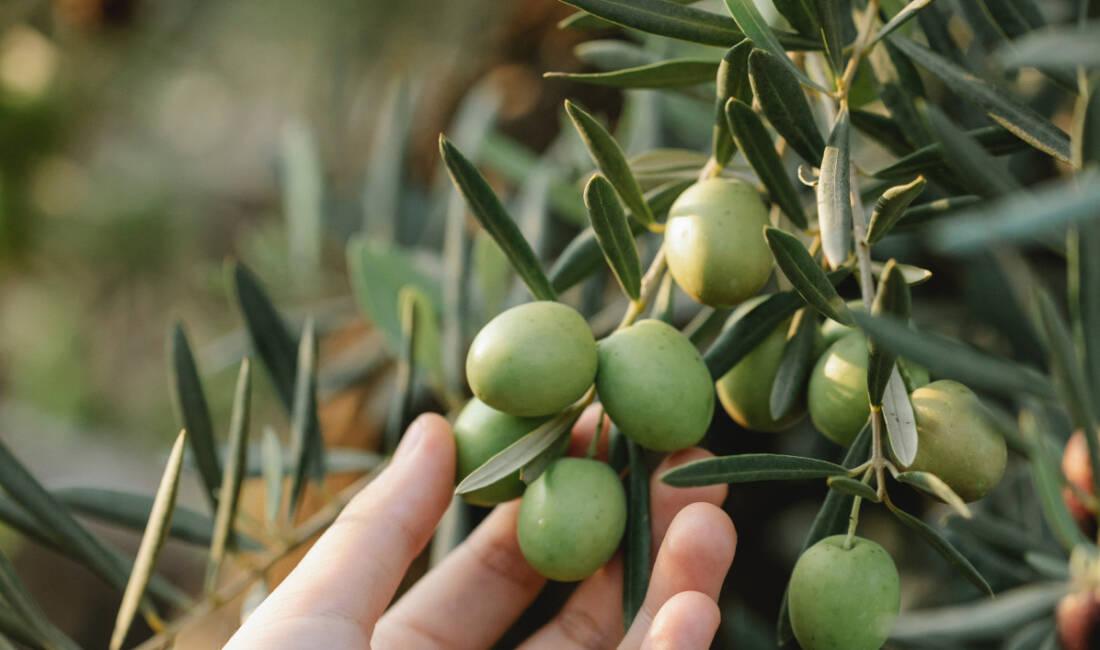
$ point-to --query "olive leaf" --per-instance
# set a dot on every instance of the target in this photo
(272, 471)
(795, 364)
(582, 256)
(665, 19)
(1015, 17)
(980, 620)
(831, 519)
(756, 145)
(638, 541)
(952, 359)
(156, 531)
(908, 11)
(852, 487)
(913, 275)
(801, 15)
(783, 102)
(943, 547)
(1049, 566)
(612, 54)
(404, 381)
(582, 20)
(830, 15)
(672, 73)
(235, 459)
(1086, 127)
(883, 130)
(934, 485)
(38, 631)
(890, 207)
(901, 421)
(1019, 216)
(193, 413)
(303, 197)
(1084, 250)
(748, 468)
(893, 299)
(919, 215)
(975, 169)
(898, 85)
(806, 276)
(613, 234)
(1001, 534)
(996, 140)
(754, 26)
(834, 205)
(513, 457)
(731, 82)
(1024, 122)
(304, 437)
(1048, 479)
(492, 216)
(1065, 48)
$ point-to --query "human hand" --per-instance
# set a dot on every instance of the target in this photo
(337, 597)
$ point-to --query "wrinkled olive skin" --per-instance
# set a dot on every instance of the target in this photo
(571, 519)
(654, 386)
(1078, 471)
(843, 599)
(956, 439)
(532, 360)
(745, 391)
(480, 433)
(714, 242)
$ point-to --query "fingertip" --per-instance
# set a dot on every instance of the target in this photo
(709, 531)
(687, 621)
(667, 500)
(428, 438)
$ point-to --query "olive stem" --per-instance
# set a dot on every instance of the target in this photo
(594, 444)
(649, 284)
(710, 170)
(863, 42)
(853, 518)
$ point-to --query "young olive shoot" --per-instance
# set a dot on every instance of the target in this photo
(958, 441)
(843, 596)
(571, 519)
(480, 433)
(532, 360)
(655, 387)
(713, 242)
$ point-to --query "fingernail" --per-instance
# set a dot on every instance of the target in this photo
(410, 440)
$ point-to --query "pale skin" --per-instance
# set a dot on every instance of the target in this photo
(340, 595)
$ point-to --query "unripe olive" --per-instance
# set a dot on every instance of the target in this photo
(843, 599)
(714, 242)
(654, 386)
(1078, 617)
(745, 391)
(481, 432)
(957, 440)
(1078, 472)
(532, 360)
(571, 519)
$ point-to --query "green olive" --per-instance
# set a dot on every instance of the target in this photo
(480, 433)
(714, 242)
(532, 360)
(837, 393)
(745, 391)
(957, 440)
(832, 331)
(571, 519)
(654, 386)
(843, 599)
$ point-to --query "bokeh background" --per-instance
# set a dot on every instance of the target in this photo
(145, 142)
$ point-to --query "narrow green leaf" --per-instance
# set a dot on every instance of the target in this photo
(41, 631)
(305, 406)
(1033, 635)
(1086, 127)
(913, 275)
(795, 364)
(783, 102)
(272, 470)
(513, 457)
(638, 541)
(386, 165)
(996, 140)
(609, 158)
(899, 84)
(748, 468)
(934, 24)
(852, 487)
(673, 73)
(756, 145)
(891, 299)
(834, 204)
(801, 15)
(1087, 284)
(943, 547)
(151, 543)
(919, 215)
(583, 256)
(401, 396)
(831, 14)
(975, 169)
(731, 82)
(891, 206)
(900, 18)
(1064, 49)
(901, 421)
(883, 130)
(754, 26)
(807, 277)
(613, 234)
(934, 485)
(17, 628)
(1025, 123)
(1048, 481)
(951, 359)
(1049, 566)
(193, 413)
(613, 54)
(582, 20)
(1001, 534)
(132, 511)
(303, 195)
(831, 519)
(458, 278)
(492, 216)
(984, 619)
(1015, 17)
(234, 473)
(1018, 217)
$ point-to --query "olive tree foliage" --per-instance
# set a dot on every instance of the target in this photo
(878, 141)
